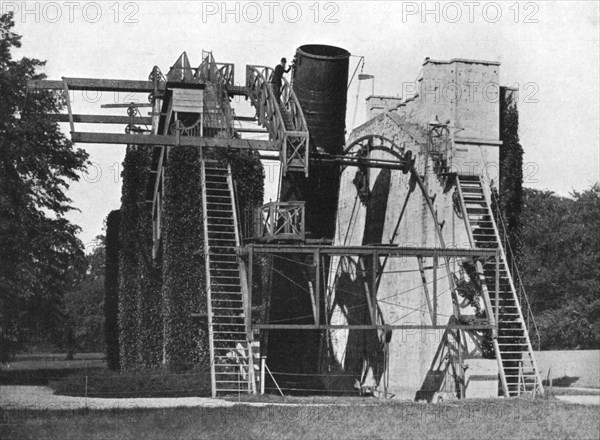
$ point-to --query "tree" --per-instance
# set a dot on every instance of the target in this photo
(83, 317)
(561, 266)
(40, 256)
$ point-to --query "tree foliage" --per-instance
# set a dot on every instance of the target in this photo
(560, 266)
(82, 306)
(111, 290)
(40, 256)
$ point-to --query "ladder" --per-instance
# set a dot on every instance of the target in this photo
(513, 344)
(231, 365)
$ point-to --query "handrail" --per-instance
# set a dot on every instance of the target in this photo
(211, 348)
(280, 220)
(487, 191)
(515, 270)
(492, 320)
(288, 99)
(222, 77)
(294, 143)
(463, 210)
(247, 301)
(261, 94)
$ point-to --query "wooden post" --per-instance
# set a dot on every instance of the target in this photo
(68, 99)
(262, 374)
(497, 285)
(375, 264)
(317, 264)
(249, 334)
(435, 294)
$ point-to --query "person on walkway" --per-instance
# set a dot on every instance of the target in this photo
(276, 79)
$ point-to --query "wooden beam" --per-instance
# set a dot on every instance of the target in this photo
(150, 139)
(237, 90)
(369, 327)
(101, 119)
(251, 130)
(391, 250)
(95, 84)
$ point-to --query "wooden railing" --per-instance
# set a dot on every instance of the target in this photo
(222, 76)
(293, 141)
(279, 221)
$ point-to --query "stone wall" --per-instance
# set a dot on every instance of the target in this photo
(417, 215)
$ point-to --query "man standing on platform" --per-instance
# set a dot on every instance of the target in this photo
(276, 78)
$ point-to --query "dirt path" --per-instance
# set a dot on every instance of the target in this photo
(42, 398)
(584, 400)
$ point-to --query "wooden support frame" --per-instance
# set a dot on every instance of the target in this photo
(375, 252)
(280, 221)
(293, 144)
(382, 250)
(435, 288)
(93, 84)
(369, 327)
(169, 140)
(101, 119)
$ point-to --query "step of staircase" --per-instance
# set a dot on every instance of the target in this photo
(227, 317)
(512, 342)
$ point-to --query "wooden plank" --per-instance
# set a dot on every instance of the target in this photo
(368, 327)
(101, 119)
(136, 139)
(237, 90)
(95, 84)
(391, 250)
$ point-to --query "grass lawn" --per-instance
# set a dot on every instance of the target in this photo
(470, 419)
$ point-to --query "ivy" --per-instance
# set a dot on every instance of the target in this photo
(184, 284)
(139, 318)
(158, 298)
(511, 170)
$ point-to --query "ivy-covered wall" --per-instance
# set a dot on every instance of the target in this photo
(140, 321)
(511, 168)
(157, 298)
(249, 179)
(184, 286)
(183, 289)
(111, 290)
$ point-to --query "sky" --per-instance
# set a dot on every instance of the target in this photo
(550, 50)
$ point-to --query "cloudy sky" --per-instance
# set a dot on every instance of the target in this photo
(550, 50)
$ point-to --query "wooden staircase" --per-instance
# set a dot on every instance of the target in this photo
(287, 119)
(228, 329)
(513, 344)
(283, 120)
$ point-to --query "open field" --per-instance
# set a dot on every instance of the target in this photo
(476, 419)
(570, 368)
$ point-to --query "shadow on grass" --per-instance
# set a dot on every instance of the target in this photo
(138, 383)
(564, 381)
